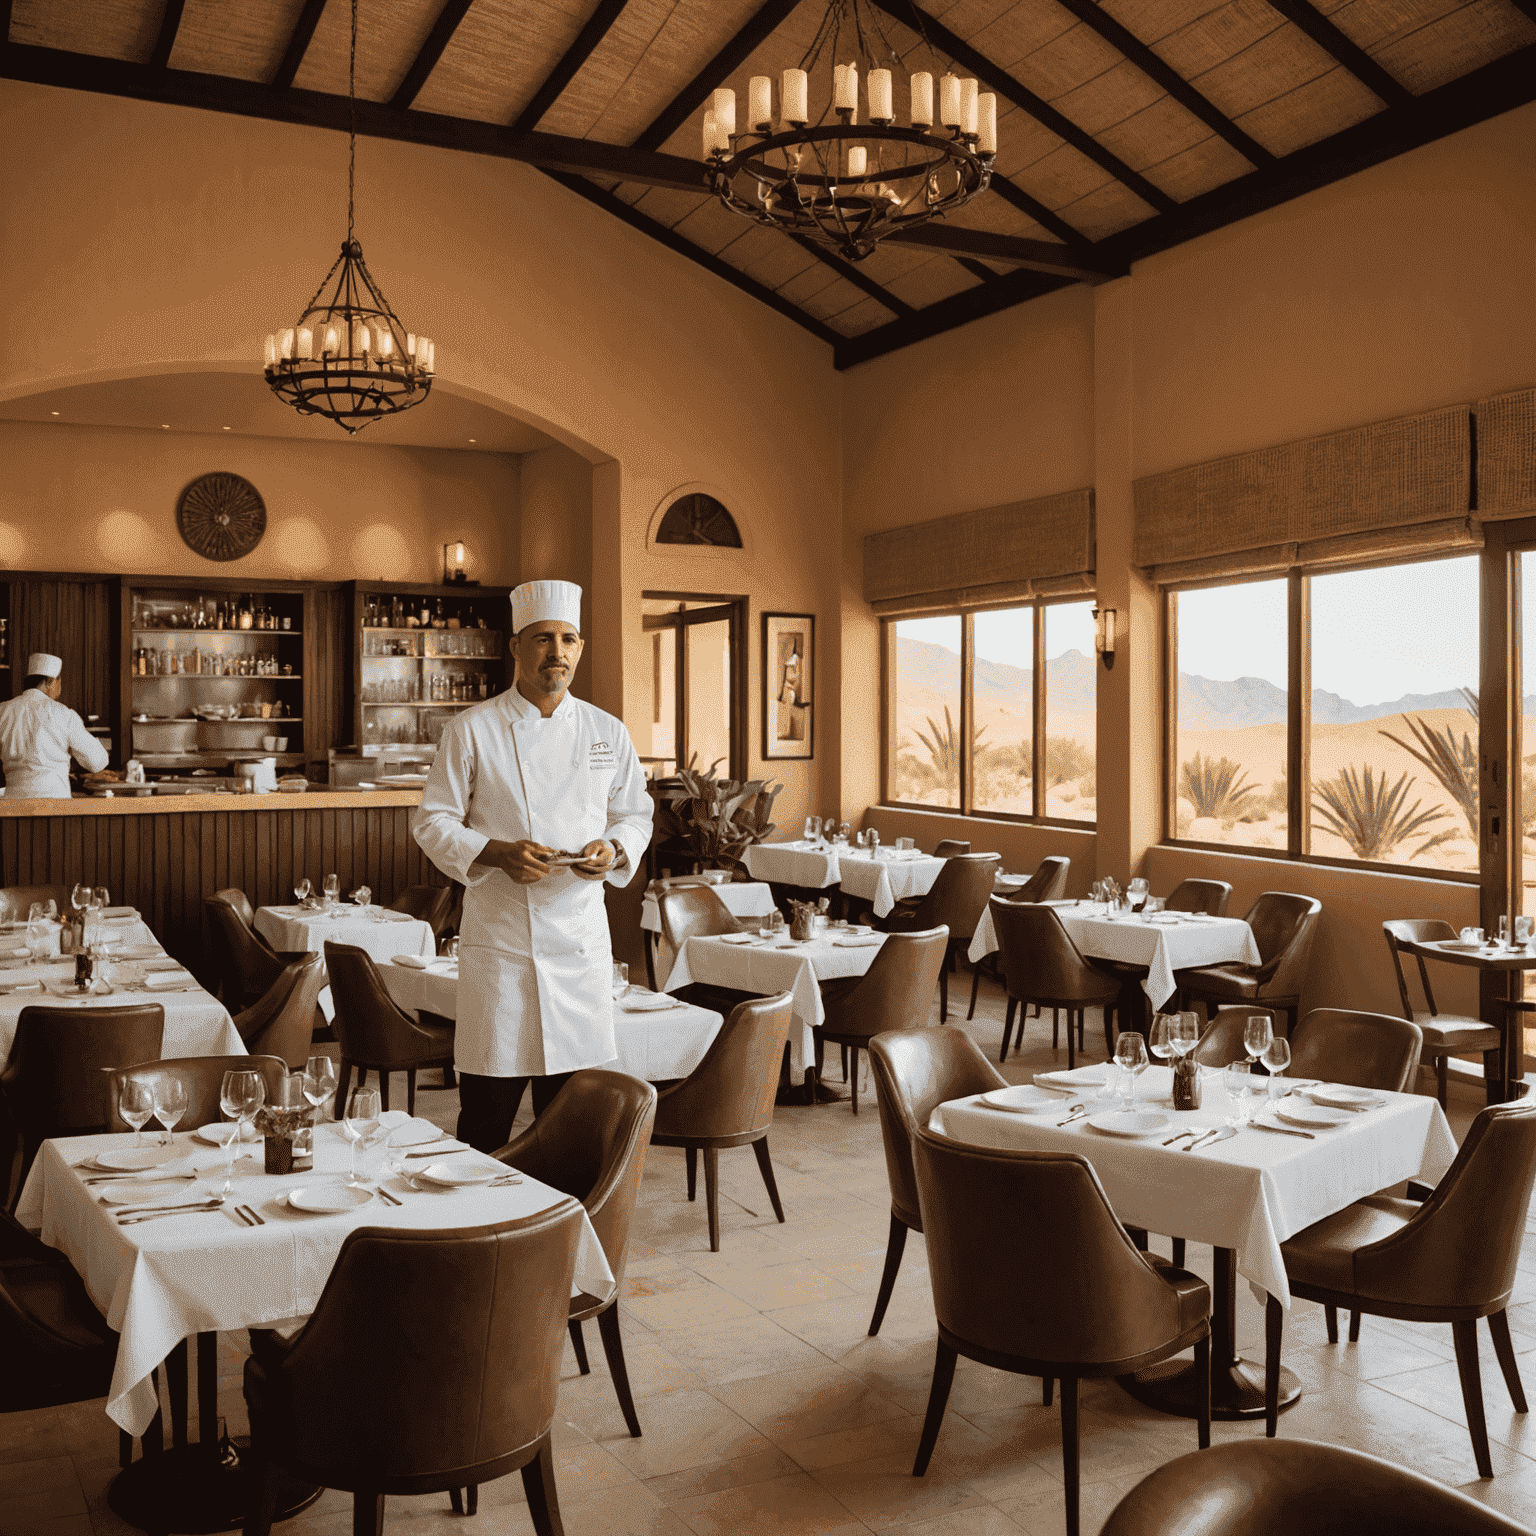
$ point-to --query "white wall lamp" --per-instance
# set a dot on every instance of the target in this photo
(1104, 635)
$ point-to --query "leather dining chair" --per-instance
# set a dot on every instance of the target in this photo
(1445, 1034)
(376, 1034)
(248, 965)
(1283, 927)
(1451, 1259)
(430, 904)
(1041, 965)
(695, 912)
(894, 993)
(590, 1144)
(727, 1100)
(955, 901)
(1283, 1487)
(1191, 895)
(1366, 1050)
(466, 1392)
(948, 847)
(53, 1082)
(1047, 883)
(16, 900)
(915, 1071)
(282, 1023)
(202, 1077)
(1032, 1273)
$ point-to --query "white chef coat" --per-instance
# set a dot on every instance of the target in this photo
(37, 737)
(535, 961)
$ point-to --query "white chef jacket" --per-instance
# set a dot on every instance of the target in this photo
(535, 961)
(37, 737)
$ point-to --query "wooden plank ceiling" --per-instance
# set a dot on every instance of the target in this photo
(1124, 126)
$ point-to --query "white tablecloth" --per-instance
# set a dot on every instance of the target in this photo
(767, 969)
(287, 928)
(882, 881)
(1249, 1193)
(159, 1282)
(1162, 947)
(653, 1046)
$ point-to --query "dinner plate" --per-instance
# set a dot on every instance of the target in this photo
(1461, 947)
(218, 1133)
(1078, 1077)
(638, 1000)
(1131, 1122)
(327, 1199)
(142, 1192)
(1025, 1099)
(131, 1159)
(1344, 1096)
(456, 1175)
(1312, 1116)
(737, 938)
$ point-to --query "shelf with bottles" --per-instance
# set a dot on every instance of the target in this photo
(431, 645)
(178, 611)
(211, 665)
(413, 612)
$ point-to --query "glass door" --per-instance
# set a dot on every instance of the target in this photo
(698, 687)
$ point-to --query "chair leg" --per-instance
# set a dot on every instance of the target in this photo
(1354, 1327)
(764, 1167)
(343, 1083)
(1047, 1390)
(539, 1489)
(1465, 1335)
(1498, 1326)
(367, 1513)
(844, 1050)
(1203, 1367)
(383, 1088)
(1055, 1026)
(975, 984)
(943, 994)
(1331, 1318)
(410, 1090)
(712, 1195)
(1274, 1324)
(1138, 1235)
(1178, 1253)
(938, 1395)
(894, 1248)
(692, 1156)
(1442, 1063)
(1008, 1028)
(263, 1482)
(1069, 1450)
(613, 1349)
(853, 1052)
(456, 1500)
(176, 1390)
(579, 1344)
(1071, 1041)
(472, 1500)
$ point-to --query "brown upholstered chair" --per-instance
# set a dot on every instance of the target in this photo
(1208, 896)
(248, 965)
(1450, 1260)
(1032, 1273)
(1369, 1050)
(1042, 965)
(1047, 883)
(916, 1070)
(1222, 1041)
(202, 1076)
(894, 993)
(1445, 1034)
(375, 1033)
(1283, 929)
(283, 1022)
(54, 1084)
(590, 1144)
(16, 900)
(695, 912)
(727, 1100)
(465, 1394)
(1282, 1487)
(955, 901)
(431, 904)
(948, 847)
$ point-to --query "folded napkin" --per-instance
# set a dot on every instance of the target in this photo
(638, 1001)
(119, 911)
(415, 962)
(7, 987)
(738, 938)
(168, 980)
(868, 942)
(1078, 1077)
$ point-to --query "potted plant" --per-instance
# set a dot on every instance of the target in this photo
(711, 821)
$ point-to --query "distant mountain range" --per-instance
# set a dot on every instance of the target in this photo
(1205, 704)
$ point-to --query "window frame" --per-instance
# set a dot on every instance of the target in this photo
(967, 616)
(1298, 745)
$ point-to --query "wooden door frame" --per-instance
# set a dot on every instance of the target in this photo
(715, 606)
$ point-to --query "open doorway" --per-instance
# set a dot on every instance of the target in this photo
(698, 674)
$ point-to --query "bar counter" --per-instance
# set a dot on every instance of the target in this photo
(141, 805)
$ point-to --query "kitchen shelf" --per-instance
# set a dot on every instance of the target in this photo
(259, 633)
(167, 760)
(212, 677)
(423, 703)
(379, 629)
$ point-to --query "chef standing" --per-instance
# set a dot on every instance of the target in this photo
(517, 780)
(38, 736)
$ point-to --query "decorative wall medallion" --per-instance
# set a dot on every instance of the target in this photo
(699, 519)
(221, 516)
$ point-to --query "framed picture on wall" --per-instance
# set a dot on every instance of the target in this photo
(789, 671)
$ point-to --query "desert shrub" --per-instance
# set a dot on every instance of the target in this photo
(1215, 788)
(1370, 815)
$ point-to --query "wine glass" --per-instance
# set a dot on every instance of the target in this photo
(240, 1096)
(319, 1079)
(1137, 891)
(1277, 1057)
(39, 934)
(80, 897)
(1257, 1034)
(332, 890)
(620, 977)
(1161, 1043)
(170, 1105)
(812, 828)
(362, 1125)
(301, 890)
(362, 896)
(136, 1105)
(1131, 1058)
(1239, 1080)
(1186, 1033)
(101, 898)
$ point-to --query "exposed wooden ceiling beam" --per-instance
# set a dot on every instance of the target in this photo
(595, 30)
(724, 64)
(298, 44)
(1037, 255)
(1350, 54)
(1096, 18)
(853, 274)
(1528, 6)
(431, 51)
(1046, 218)
(697, 254)
(1004, 84)
(170, 25)
(978, 269)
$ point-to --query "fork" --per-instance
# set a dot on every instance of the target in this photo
(1201, 1140)
(257, 1219)
(215, 1204)
(1181, 1135)
(1079, 1113)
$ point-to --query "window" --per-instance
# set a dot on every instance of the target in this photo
(964, 693)
(1386, 666)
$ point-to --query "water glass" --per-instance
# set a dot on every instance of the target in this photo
(620, 977)
(1277, 1058)
(1161, 1043)
(1239, 1080)
(362, 1126)
(80, 897)
(812, 828)
(1258, 1032)
(332, 890)
(1186, 1034)
(319, 1080)
(1522, 930)
(301, 890)
(136, 1105)
(1131, 1058)
(100, 898)
(1152, 906)
(170, 1105)
(240, 1096)
(40, 936)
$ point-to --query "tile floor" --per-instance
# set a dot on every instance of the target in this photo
(767, 1408)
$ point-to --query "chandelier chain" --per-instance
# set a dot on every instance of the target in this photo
(351, 123)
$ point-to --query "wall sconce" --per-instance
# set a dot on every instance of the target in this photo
(1104, 635)
(453, 562)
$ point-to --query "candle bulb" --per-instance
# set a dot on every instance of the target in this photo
(285, 343)
(845, 88)
(795, 96)
(760, 102)
(922, 99)
(858, 160)
(709, 134)
(360, 339)
(986, 125)
(949, 101)
(880, 110)
(386, 345)
(269, 352)
(968, 105)
(332, 343)
(304, 346)
(723, 105)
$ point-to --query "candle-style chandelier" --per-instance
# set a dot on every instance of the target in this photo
(845, 184)
(349, 357)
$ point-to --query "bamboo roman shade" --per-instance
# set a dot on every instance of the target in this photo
(1376, 492)
(1506, 455)
(1013, 553)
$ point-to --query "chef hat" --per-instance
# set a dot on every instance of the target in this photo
(41, 664)
(536, 600)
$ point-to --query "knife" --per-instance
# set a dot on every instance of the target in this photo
(1280, 1130)
(1220, 1133)
(439, 1152)
(175, 1210)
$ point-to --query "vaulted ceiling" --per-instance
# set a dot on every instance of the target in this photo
(1124, 126)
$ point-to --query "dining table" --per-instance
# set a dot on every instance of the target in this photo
(741, 898)
(1244, 1194)
(880, 876)
(1506, 962)
(378, 930)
